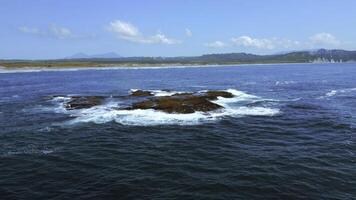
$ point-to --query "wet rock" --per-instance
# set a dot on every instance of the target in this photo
(214, 94)
(80, 102)
(141, 93)
(178, 104)
(183, 94)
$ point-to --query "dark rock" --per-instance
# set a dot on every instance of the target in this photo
(177, 103)
(80, 102)
(181, 104)
(141, 93)
(213, 95)
(182, 94)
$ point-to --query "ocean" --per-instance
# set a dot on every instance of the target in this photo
(288, 133)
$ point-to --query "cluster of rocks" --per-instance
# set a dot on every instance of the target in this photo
(177, 103)
(80, 102)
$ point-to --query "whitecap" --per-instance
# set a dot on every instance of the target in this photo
(46, 129)
(336, 92)
(255, 111)
(30, 150)
(47, 151)
(331, 93)
(160, 93)
(285, 82)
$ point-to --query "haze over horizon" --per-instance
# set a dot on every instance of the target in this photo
(56, 29)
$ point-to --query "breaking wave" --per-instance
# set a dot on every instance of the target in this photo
(285, 82)
(238, 106)
(337, 92)
(160, 93)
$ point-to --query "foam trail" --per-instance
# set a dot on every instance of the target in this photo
(160, 93)
(331, 93)
(139, 117)
(336, 92)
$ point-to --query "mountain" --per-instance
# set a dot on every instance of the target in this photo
(77, 55)
(86, 56)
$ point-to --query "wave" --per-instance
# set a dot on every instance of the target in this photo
(337, 92)
(161, 93)
(27, 151)
(285, 82)
(237, 106)
(331, 93)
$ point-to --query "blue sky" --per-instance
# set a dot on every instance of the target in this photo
(42, 29)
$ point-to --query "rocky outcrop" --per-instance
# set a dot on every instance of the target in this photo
(178, 104)
(80, 102)
(214, 94)
(141, 93)
(182, 103)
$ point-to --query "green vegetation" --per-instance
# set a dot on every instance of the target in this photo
(321, 55)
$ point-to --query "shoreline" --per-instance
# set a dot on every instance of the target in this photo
(148, 66)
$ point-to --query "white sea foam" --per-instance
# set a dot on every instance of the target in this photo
(137, 117)
(60, 101)
(161, 93)
(285, 82)
(336, 92)
(111, 112)
(331, 93)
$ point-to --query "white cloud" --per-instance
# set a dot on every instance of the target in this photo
(129, 32)
(285, 43)
(188, 32)
(266, 44)
(324, 39)
(26, 29)
(125, 29)
(216, 44)
(53, 31)
(60, 32)
(247, 41)
(161, 38)
(320, 40)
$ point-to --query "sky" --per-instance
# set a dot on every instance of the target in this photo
(49, 29)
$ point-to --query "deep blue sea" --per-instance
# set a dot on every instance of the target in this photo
(289, 133)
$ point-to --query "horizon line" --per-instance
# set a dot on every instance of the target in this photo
(122, 57)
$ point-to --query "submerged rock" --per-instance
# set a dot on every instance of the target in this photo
(141, 93)
(80, 102)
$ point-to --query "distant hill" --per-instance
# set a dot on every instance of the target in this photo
(86, 56)
(320, 55)
(112, 59)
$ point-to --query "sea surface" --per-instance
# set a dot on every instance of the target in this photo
(289, 133)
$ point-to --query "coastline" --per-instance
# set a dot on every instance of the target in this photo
(25, 69)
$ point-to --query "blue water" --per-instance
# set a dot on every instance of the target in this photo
(297, 141)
